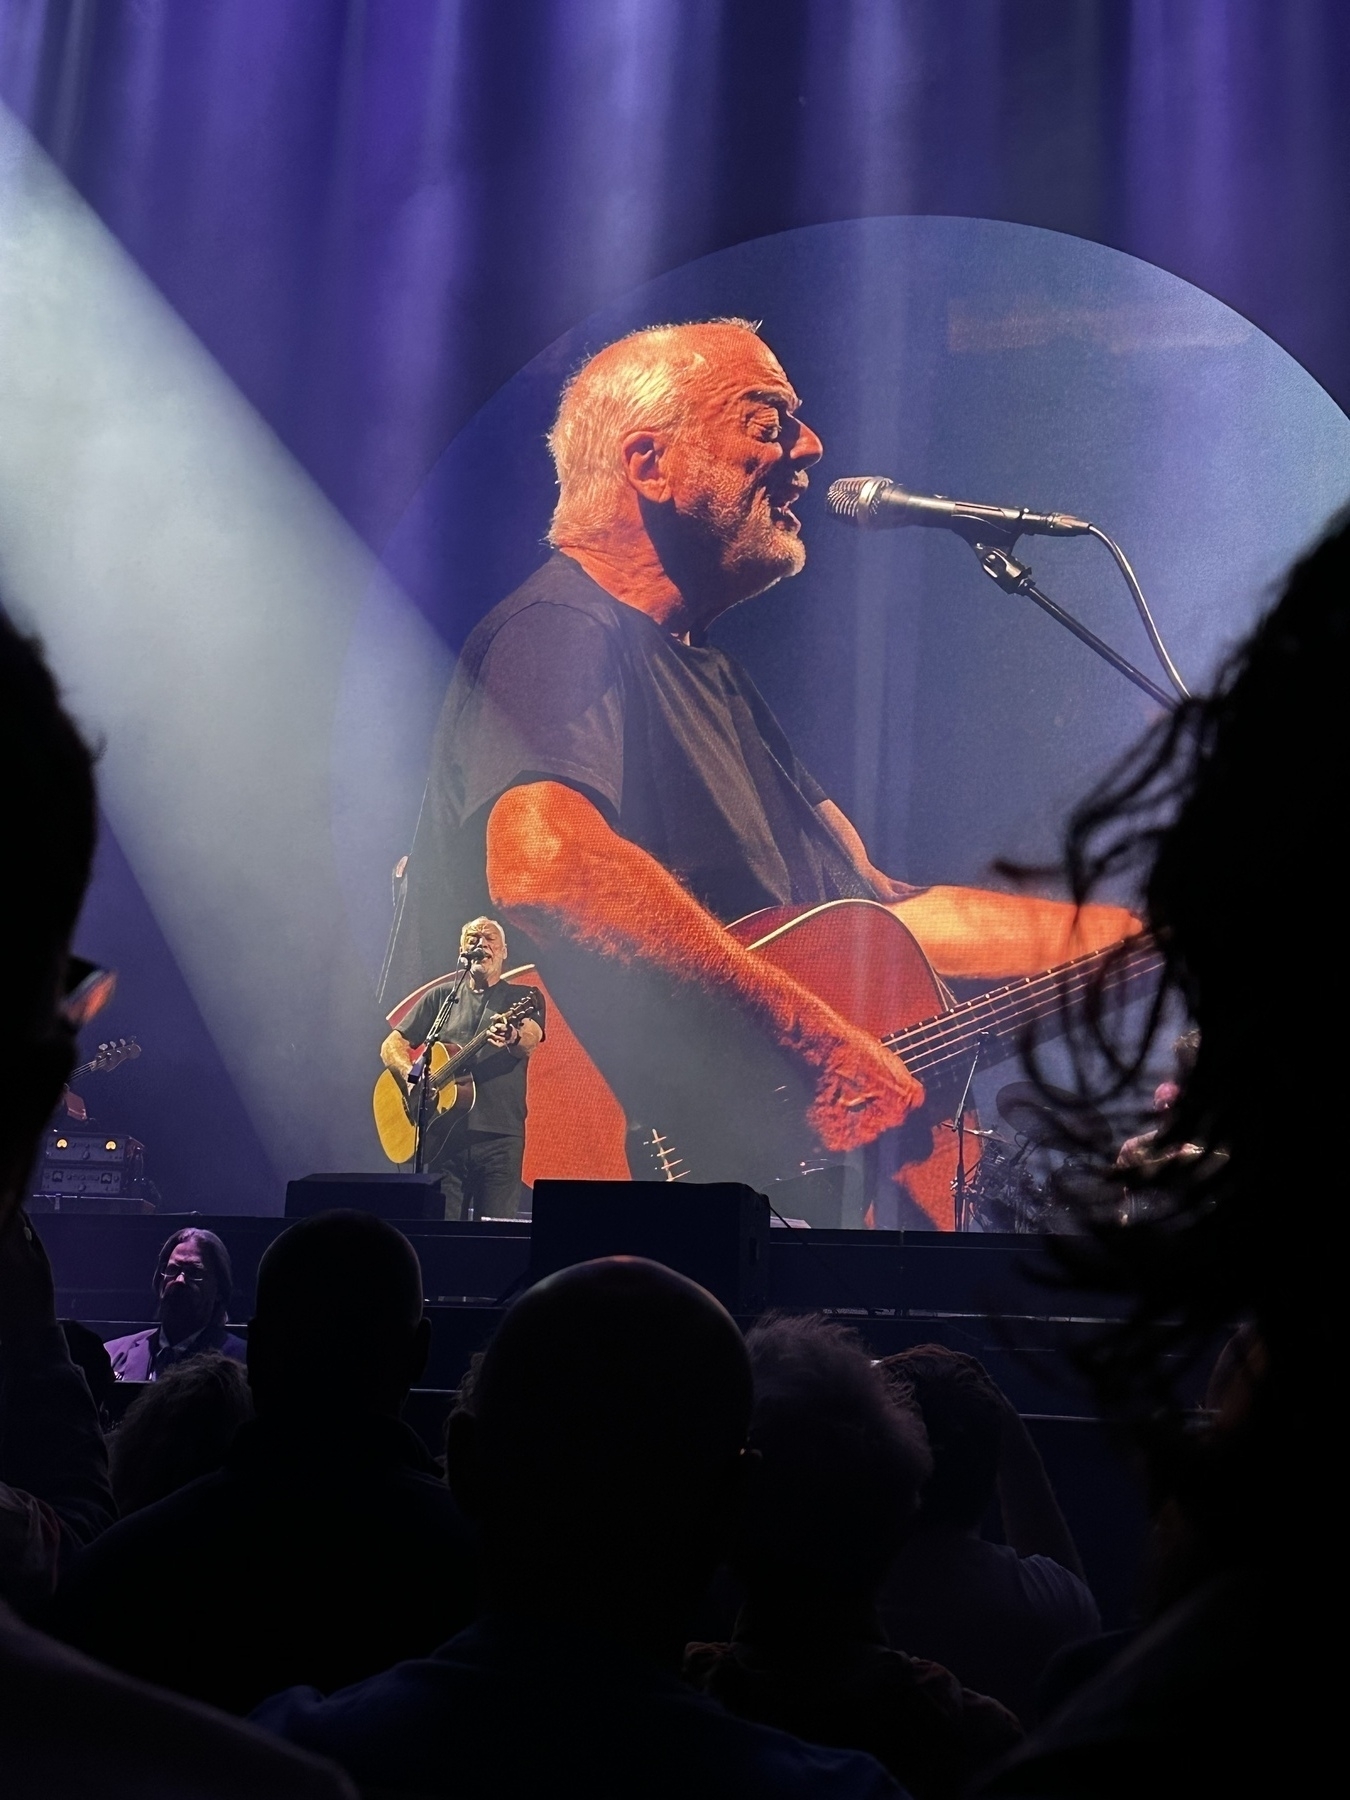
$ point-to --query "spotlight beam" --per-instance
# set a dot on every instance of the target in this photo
(195, 592)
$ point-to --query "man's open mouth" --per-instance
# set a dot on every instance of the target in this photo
(781, 511)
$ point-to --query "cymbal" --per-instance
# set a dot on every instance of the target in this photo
(1050, 1116)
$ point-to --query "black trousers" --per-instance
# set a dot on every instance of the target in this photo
(480, 1175)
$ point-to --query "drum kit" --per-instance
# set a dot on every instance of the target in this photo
(1014, 1185)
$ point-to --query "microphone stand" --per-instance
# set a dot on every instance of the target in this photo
(959, 1127)
(1002, 568)
(452, 994)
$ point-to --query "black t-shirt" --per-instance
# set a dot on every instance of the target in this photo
(499, 1076)
(672, 742)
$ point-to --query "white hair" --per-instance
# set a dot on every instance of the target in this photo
(484, 924)
(640, 382)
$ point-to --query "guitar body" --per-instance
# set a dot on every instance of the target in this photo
(861, 961)
(858, 958)
(396, 1109)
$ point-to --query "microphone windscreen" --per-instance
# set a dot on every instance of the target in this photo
(857, 498)
(845, 496)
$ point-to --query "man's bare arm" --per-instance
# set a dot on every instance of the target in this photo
(986, 936)
(396, 1054)
(556, 868)
(979, 934)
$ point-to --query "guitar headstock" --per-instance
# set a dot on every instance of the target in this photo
(525, 1008)
(113, 1054)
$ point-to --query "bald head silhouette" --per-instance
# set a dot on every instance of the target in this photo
(601, 1448)
(338, 1319)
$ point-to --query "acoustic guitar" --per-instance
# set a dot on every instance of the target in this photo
(452, 1091)
(858, 958)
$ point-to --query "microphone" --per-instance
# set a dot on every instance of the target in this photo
(877, 504)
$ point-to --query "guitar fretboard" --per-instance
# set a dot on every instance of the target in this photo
(1001, 1021)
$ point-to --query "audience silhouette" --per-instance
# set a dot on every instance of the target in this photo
(328, 1528)
(54, 1491)
(181, 1427)
(1216, 816)
(69, 1728)
(602, 1448)
(842, 1460)
(994, 1614)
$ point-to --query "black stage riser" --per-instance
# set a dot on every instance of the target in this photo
(104, 1267)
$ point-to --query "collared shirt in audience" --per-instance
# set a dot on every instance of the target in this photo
(146, 1354)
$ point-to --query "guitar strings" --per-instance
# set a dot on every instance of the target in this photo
(948, 1036)
(1036, 989)
(934, 1045)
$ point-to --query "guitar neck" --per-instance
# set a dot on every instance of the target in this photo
(458, 1060)
(1031, 1009)
(513, 1015)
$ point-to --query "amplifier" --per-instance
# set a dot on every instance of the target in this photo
(91, 1163)
(715, 1232)
(389, 1196)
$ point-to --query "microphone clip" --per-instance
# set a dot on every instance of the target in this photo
(999, 564)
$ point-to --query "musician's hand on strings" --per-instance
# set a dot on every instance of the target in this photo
(502, 1034)
(861, 1089)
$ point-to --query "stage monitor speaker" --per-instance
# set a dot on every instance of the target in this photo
(395, 1197)
(714, 1232)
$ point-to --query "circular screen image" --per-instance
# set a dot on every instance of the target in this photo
(949, 722)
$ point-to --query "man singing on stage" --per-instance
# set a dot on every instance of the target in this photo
(479, 1159)
(621, 789)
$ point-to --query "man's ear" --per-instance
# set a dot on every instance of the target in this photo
(643, 454)
(463, 1463)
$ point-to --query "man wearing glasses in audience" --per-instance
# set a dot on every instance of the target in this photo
(193, 1280)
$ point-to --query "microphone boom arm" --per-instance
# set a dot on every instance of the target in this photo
(873, 501)
(1014, 577)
